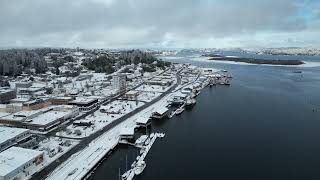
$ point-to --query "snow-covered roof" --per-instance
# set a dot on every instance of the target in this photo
(179, 94)
(2, 114)
(48, 117)
(83, 100)
(15, 157)
(161, 110)
(127, 131)
(7, 133)
(142, 120)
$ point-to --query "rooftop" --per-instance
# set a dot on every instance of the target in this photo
(48, 117)
(127, 131)
(14, 158)
(7, 133)
(83, 100)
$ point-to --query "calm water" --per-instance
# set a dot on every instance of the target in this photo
(266, 125)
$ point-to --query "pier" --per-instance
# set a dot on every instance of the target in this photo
(129, 175)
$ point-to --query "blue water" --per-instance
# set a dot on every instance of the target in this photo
(266, 125)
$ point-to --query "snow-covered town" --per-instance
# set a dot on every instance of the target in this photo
(60, 122)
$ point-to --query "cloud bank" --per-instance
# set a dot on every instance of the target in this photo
(159, 23)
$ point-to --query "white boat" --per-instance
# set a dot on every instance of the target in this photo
(139, 167)
(179, 110)
(161, 135)
(141, 140)
(172, 114)
(125, 175)
(147, 142)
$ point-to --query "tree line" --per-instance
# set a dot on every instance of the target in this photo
(14, 62)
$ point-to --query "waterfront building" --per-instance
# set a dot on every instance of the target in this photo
(160, 113)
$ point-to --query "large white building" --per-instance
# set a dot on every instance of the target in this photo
(119, 82)
(10, 136)
(19, 163)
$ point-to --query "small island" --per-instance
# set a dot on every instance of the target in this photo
(215, 57)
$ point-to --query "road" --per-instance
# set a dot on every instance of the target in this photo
(85, 141)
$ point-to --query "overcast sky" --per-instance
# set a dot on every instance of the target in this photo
(159, 23)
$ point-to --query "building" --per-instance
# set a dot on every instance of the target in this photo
(41, 120)
(131, 95)
(26, 84)
(61, 100)
(11, 136)
(36, 104)
(6, 95)
(127, 133)
(160, 113)
(119, 83)
(85, 103)
(19, 163)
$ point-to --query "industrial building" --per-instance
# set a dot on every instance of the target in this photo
(10, 136)
(19, 163)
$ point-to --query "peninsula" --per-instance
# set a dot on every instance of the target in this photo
(215, 57)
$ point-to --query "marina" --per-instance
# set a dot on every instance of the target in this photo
(139, 165)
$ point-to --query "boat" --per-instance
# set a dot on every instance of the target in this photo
(139, 167)
(179, 110)
(161, 135)
(125, 175)
(212, 82)
(172, 114)
(147, 142)
(190, 101)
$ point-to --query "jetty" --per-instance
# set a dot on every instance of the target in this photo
(129, 175)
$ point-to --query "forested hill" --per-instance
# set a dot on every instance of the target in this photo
(13, 62)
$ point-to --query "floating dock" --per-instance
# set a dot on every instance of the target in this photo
(129, 175)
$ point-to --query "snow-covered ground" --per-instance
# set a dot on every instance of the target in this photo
(47, 145)
(99, 119)
(81, 163)
(147, 96)
(153, 88)
(55, 147)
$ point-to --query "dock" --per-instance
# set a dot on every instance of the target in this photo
(129, 175)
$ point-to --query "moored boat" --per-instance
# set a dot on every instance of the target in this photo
(139, 167)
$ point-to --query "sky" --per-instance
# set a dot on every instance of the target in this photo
(159, 23)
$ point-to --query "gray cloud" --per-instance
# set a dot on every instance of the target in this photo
(126, 23)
